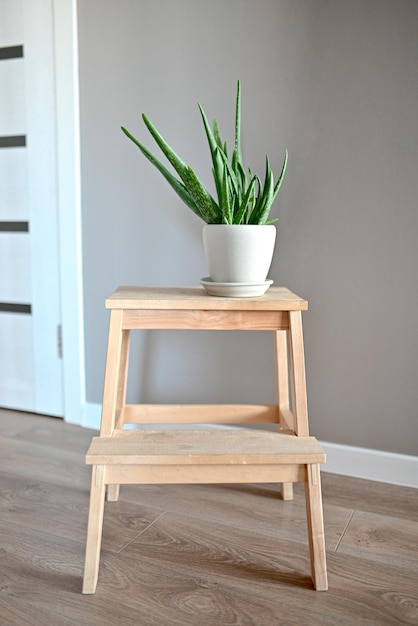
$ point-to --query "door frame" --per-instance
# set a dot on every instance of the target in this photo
(69, 208)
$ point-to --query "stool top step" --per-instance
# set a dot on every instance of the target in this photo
(235, 446)
(196, 298)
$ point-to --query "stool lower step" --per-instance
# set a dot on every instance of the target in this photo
(175, 456)
(235, 446)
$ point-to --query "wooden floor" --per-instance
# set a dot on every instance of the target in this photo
(193, 555)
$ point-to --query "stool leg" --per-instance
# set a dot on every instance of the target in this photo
(286, 491)
(316, 528)
(94, 530)
(111, 382)
(112, 493)
(282, 395)
(122, 377)
(297, 374)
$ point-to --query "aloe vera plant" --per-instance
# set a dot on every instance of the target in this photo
(242, 198)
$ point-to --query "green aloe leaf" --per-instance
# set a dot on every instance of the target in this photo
(238, 123)
(244, 206)
(178, 187)
(204, 201)
(217, 135)
(273, 193)
(215, 146)
(282, 173)
(226, 206)
(242, 175)
(179, 165)
(234, 180)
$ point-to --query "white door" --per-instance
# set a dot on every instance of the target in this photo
(30, 359)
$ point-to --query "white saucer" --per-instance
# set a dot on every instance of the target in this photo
(235, 290)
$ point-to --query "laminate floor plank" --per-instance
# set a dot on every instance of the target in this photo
(16, 611)
(370, 496)
(382, 538)
(51, 433)
(48, 463)
(62, 511)
(251, 505)
(13, 423)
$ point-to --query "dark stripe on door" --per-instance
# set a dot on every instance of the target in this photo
(11, 52)
(11, 307)
(14, 227)
(13, 141)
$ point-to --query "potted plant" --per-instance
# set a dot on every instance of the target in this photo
(238, 251)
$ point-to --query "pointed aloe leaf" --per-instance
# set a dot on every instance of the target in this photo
(265, 198)
(264, 205)
(226, 206)
(282, 173)
(222, 145)
(204, 201)
(267, 208)
(268, 184)
(178, 187)
(258, 204)
(217, 171)
(213, 144)
(242, 175)
(215, 150)
(234, 162)
(243, 208)
(238, 123)
(267, 202)
(217, 135)
(231, 173)
(179, 165)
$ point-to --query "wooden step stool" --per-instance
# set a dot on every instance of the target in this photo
(237, 455)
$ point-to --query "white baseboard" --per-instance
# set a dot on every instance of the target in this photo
(387, 467)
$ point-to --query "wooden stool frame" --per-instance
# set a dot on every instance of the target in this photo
(285, 455)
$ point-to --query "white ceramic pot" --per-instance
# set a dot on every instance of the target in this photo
(239, 253)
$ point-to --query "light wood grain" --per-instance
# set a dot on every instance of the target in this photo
(202, 474)
(200, 414)
(315, 521)
(196, 298)
(123, 376)
(238, 446)
(115, 372)
(282, 379)
(94, 529)
(297, 375)
(154, 319)
(286, 418)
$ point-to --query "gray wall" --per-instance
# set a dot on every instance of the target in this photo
(334, 81)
